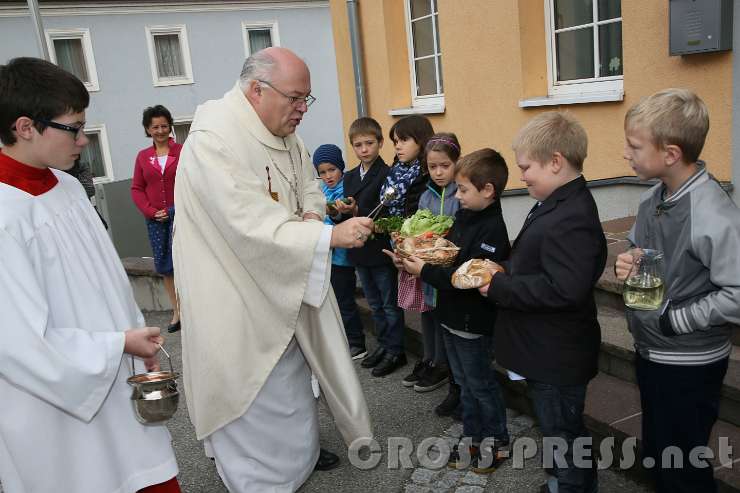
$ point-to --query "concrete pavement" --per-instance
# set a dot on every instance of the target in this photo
(396, 412)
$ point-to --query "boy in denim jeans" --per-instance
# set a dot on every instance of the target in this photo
(466, 318)
(378, 277)
(547, 329)
(682, 347)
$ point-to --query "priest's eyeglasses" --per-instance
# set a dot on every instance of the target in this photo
(77, 130)
(294, 100)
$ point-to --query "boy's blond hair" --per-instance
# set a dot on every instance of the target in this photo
(672, 116)
(552, 132)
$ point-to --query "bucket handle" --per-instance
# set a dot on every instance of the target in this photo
(169, 360)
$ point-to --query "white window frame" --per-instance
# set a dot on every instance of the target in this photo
(180, 120)
(435, 102)
(104, 150)
(248, 26)
(82, 34)
(607, 86)
(182, 33)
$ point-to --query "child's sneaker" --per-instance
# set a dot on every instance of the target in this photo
(457, 458)
(433, 378)
(420, 368)
(452, 401)
(488, 459)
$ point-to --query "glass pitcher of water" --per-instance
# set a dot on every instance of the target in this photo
(643, 289)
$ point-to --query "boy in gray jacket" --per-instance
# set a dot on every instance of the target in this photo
(683, 346)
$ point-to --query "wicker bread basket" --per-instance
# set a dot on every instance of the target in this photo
(433, 250)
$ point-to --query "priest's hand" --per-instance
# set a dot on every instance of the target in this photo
(351, 233)
(143, 342)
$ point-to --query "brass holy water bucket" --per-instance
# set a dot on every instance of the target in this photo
(155, 395)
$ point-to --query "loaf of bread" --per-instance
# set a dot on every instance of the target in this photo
(475, 273)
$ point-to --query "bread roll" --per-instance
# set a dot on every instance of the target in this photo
(475, 273)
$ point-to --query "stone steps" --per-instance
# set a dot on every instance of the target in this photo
(617, 359)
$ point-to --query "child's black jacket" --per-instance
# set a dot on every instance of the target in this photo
(479, 234)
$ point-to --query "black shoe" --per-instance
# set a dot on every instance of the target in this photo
(494, 457)
(357, 352)
(374, 358)
(412, 378)
(456, 461)
(389, 364)
(433, 378)
(452, 401)
(173, 327)
(327, 461)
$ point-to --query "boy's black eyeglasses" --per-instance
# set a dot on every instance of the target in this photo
(309, 100)
(78, 130)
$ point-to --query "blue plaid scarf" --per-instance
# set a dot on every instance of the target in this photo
(400, 177)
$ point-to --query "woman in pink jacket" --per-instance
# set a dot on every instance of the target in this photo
(153, 191)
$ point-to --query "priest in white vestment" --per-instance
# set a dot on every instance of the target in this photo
(252, 265)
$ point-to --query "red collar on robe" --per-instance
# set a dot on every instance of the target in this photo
(35, 181)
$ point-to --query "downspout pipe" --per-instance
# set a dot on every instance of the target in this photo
(33, 7)
(354, 36)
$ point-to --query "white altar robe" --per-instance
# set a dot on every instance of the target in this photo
(66, 418)
(253, 279)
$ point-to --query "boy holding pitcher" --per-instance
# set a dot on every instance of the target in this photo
(683, 340)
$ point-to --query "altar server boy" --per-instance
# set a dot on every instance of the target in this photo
(69, 323)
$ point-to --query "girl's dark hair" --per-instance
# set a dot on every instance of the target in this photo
(152, 112)
(416, 127)
(444, 142)
(39, 90)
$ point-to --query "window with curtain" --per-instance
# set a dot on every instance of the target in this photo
(71, 49)
(586, 41)
(169, 55)
(92, 156)
(259, 39)
(181, 129)
(426, 56)
(70, 56)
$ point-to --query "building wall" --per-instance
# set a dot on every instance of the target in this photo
(494, 55)
(217, 53)
(736, 109)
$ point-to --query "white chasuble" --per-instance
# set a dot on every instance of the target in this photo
(66, 419)
(245, 272)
